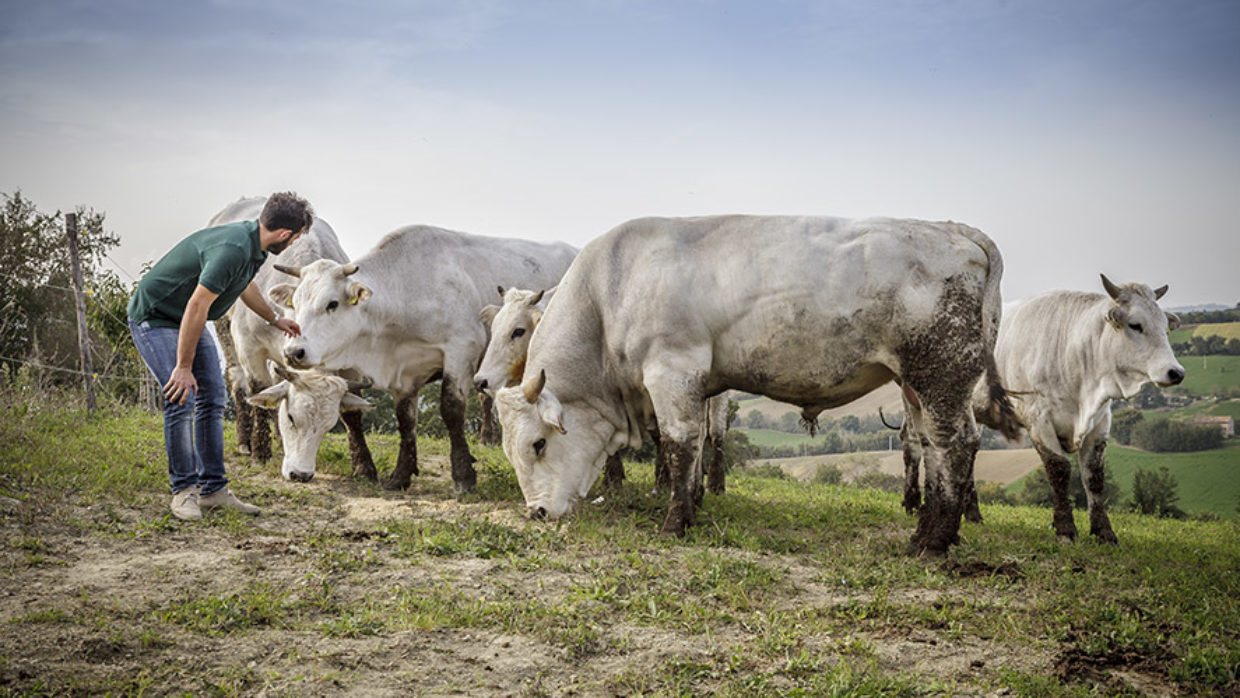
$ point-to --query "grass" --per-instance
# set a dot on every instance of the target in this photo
(1203, 374)
(782, 588)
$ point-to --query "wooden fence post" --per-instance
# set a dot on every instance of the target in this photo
(79, 295)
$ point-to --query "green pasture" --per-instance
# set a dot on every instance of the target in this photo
(781, 588)
(1204, 373)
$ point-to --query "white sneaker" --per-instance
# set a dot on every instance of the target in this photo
(185, 505)
(225, 499)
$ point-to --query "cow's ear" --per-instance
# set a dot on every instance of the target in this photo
(1173, 321)
(357, 292)
(282, 294)
(1116, 317)
(271, 397)
(488, 314)
(551, 411)
(354, 403)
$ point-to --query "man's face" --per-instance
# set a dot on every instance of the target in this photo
(287, 238)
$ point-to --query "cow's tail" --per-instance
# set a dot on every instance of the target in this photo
(999, 412)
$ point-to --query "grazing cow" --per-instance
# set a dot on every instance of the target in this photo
(1065, 355)
(503, 365)
(659, 314)
(405, 313)
(255, 346)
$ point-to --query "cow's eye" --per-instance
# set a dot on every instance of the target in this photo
(540, 446)
(332, 306)
(518, 332)
(1135, 327)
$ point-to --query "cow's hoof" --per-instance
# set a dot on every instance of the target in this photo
(973, 517)
(371, 474)
(1065, 539)
(1106, 536)
(396, 484)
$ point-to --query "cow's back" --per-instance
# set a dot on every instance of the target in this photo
(424, 269)
(784, 306)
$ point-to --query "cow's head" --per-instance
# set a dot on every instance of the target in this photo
(557, 451)
(511, 325)
(330, 308)
(1138, 337)
(309, 404)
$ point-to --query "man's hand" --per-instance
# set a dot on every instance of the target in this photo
(180, 386)
(287, 326)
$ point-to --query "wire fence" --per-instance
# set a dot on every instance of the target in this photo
(149, 393)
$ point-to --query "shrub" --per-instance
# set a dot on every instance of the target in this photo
(878, 480)
(1154, 494)
(1169, 436)
(828, 474)
(1037, 489)
(994, 493)
(768, 470)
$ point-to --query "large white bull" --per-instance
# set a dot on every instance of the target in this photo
(406, 313)
(256, 346)
(1066, 355)
(659, 314)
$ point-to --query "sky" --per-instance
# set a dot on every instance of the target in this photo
(1083, 137)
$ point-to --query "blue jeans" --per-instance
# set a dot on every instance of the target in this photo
(193, 431)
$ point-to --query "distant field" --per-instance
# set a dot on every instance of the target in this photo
(1206, 372)
(1230, 330)
(1207, 480)
(888, 397)
(1002, 466)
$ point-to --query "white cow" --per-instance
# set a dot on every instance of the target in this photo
(659, 314)
(256, 347)
(405, 313)
(503, 365)
(1066, 355)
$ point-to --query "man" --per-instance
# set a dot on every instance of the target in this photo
(199, 280)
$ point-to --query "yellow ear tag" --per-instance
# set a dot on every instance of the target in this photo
(353, 300)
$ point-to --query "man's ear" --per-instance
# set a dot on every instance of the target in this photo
(282, 294)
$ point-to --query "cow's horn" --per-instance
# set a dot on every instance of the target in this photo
(349, 269)
(283, 372)
(291, 271)
(1160, 291)
(363, 384)
(531, 391)
(501, 291)
(1112, 289)
(537, 297)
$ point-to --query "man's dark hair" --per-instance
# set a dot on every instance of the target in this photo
(286, 210)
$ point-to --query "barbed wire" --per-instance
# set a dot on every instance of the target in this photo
(75, 372)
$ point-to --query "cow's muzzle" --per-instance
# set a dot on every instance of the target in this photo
(298, 476)
(296, 357)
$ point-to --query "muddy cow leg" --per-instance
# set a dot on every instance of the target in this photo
(662, 476)
(1093, 471)
(407, 456)
(911, 446)
(953, 445)
(452, 407)
(1058, 472)
(613, 472)
(676, 393)
(488, 432)
(359, 452)
(260, 429)
(716, 475)
(972, 512)
(245, 418)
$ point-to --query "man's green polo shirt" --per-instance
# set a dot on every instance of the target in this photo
(224, 259)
